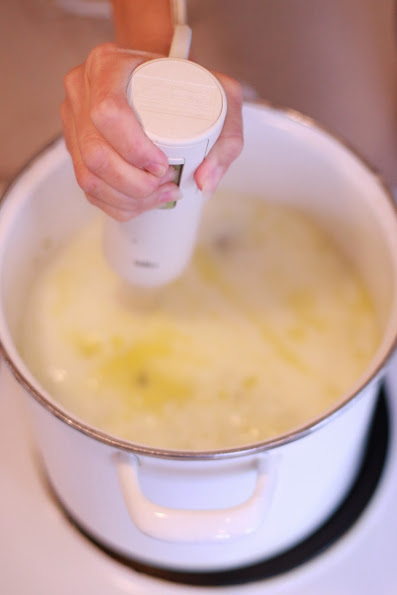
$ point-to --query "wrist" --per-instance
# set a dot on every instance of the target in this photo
(143, 25)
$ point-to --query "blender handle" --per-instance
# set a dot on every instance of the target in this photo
(194, 525)
(182, 108)
(182, 36)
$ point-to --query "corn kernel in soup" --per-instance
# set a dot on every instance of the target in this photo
(266, 330)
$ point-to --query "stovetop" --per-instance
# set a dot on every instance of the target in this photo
(44, 554)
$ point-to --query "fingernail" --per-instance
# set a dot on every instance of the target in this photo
(170, 195)
(171, 175)
(157, 169)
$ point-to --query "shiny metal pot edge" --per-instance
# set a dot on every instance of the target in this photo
(229, 453)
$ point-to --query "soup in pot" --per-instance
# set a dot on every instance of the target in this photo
(267, 329)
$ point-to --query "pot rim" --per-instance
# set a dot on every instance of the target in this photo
(216, 454)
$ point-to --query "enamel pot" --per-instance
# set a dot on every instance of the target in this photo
(222, 509)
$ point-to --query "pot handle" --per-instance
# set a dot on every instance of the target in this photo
(195, 525)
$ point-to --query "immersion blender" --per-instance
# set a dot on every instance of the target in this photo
(181, 107)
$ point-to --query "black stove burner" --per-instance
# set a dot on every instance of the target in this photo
(337, 525)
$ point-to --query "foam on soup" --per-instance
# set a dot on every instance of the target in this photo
(265, 331)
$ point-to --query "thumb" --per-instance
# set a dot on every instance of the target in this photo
(230, 142)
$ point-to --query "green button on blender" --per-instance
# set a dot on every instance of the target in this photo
(178, 167)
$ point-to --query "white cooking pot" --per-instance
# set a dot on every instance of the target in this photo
(211, 510)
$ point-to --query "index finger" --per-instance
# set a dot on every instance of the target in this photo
(108, 72)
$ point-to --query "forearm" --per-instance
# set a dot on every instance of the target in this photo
(143, 24)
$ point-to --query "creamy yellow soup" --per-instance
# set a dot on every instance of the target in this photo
(265, 331)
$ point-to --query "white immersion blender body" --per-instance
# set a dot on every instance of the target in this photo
(182, 108)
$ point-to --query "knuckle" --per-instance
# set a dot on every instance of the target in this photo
(147, 187)
(94, 155)
(86, 181)
(139, 152)
(140, 193)
(99, 55)
(105, 111)
(143, 186)
(71, 80)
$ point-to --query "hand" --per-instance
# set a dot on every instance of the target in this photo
(118, 167)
